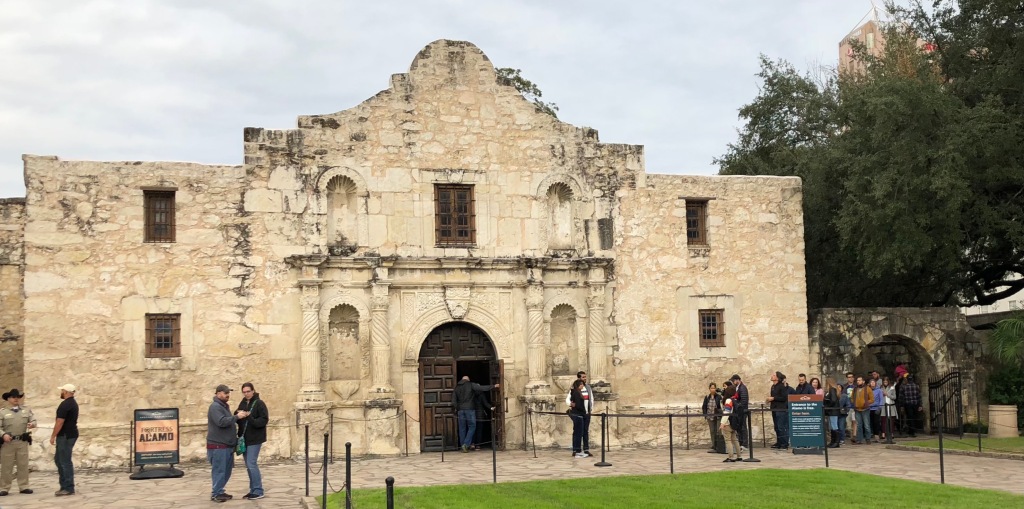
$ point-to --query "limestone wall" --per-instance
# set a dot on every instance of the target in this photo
(90, 280)
(12, 230)
(753, 268)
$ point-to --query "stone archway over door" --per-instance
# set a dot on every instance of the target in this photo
(451, 350)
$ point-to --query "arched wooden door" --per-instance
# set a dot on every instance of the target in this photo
(449, 352)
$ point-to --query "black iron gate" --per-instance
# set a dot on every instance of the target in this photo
(945, 403)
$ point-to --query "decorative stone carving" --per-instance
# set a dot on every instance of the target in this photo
(456, 298)
(311, 344)
(380, 338)
(595, 334)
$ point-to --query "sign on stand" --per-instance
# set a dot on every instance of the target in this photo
(155, 442)
(806, 431)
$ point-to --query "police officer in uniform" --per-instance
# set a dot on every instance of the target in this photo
(16, 424)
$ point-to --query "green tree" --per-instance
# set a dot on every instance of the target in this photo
(913, 184)
(1006, 342)
(532, 93)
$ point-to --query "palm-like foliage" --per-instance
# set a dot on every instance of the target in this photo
(1006, 342)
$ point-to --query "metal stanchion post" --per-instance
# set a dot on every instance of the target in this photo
(750, 436)
(348, 475)
(764, 434)
(307, 460)
(444, 434)
(977, 402)
(494, 452)
(888, 424)
(604, 427)
(323, 500)
(533, 440)
(390, 482)
(824, 435)
(671, 458)
(330, 428)
(687, 419)
(405, 431)
(942, 459)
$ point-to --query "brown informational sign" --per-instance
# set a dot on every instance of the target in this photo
(156, 436)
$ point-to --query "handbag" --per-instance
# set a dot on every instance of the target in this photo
(240, 446)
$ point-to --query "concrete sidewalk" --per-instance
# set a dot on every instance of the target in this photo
(285, 482)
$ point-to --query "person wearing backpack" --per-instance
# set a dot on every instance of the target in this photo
(252, 431)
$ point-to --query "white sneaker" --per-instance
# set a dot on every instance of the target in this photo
(581, 455)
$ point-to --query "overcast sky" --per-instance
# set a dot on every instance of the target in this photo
(178, 80)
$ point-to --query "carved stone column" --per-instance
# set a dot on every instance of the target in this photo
(597, 351)
(537, 339)
(380, 342)
(310, 343)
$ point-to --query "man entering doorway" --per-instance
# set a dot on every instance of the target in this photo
(464, 402)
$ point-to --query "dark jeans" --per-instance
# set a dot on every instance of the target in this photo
(62, 458)
(780, 418)
(910, 419)
(467, 427)
(577, 431)
(741, 430)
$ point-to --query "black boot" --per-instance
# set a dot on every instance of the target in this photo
(835, 439)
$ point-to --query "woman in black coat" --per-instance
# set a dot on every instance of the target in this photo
(577, 411)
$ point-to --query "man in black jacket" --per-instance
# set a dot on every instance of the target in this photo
(741, 407)
(254, 430)
(465, 404)
(779, 402)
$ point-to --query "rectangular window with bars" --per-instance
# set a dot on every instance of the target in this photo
(159, 211)
(697, 223)
(163, 335)
(455, 215)
(712, 328)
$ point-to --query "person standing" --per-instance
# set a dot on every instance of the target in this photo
(577, 412)
(712, 410)
(863, 398)
(16, 424)
(778, 401)
(254, 430)
(464, 401)
(729, 425)
(876, 409)
(588, 398)
(741, 407)
(221, 437)
(889, 410)
(832, 411)
(64, 436)
(802, 387)
(816, 387)
(851, 417)
(910, 400)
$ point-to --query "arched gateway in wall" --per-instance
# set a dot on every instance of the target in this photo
(451, 351)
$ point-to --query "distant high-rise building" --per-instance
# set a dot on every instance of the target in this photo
(869, 35)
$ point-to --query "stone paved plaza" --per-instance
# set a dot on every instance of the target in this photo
(285, 482)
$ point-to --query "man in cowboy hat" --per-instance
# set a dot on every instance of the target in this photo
(15, 425)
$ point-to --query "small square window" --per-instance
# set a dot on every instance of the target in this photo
(159, 212)
(455, 215)
(163, 335)
(697, 223)
(712, 328)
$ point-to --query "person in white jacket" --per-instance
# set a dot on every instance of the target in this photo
(588, 398)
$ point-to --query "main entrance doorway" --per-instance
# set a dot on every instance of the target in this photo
(450, 352)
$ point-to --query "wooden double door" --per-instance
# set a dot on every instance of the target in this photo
(450, 352)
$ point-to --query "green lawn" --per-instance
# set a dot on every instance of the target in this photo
(762, 488)
(969, 443)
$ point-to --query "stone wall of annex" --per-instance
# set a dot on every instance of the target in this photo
(90, 279)
(12, 297)
(752, 268)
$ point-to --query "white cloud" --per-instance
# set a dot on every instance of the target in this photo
(157, 80)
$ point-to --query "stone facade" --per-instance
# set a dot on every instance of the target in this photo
(12, 297)
(315, 270)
